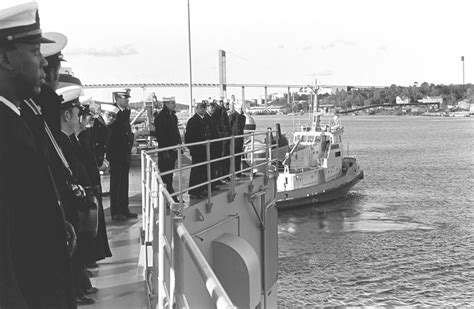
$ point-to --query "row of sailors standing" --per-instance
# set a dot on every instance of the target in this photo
(213, 119)
(49, 175)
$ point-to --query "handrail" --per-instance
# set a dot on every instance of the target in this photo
(213, 286)
(206, 141)
(183, 189)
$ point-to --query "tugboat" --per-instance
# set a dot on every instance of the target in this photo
(315, 170)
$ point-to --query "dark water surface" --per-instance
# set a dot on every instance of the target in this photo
(405, 234)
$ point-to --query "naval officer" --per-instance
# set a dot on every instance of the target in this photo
(119, 152)
(167, 135)
(34, 260)
(197, 130)
(48, 100)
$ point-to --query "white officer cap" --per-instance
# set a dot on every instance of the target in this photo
(168, 99)
(60, 41)
(70, 96)
(85, 99)
(21, 23)
(125, 92)
(109, 108)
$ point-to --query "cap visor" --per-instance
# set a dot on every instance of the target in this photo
(45, 40)
(37, 40)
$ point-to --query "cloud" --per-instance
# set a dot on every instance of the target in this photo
(116, 51)
(326, 72)
(307, 47)
(336, 43)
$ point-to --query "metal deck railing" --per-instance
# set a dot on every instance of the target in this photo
(160, 212)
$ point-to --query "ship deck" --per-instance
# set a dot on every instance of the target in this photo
(120, 283)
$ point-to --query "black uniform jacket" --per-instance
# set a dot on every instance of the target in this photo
(80, 175)
(197, 130)
(75, 156)
(224, 121)
(213, 123)
(100, 135)
(33, 220)
(233, 121)
(121, 138)
(166, 127)
(50, 104)
(87, 151)
(88, 155)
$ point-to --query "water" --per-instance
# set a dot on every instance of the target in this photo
(404, 235)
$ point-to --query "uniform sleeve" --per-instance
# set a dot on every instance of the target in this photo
(190, 135)
(159, 129)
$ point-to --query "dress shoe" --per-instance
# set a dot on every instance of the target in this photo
(119, 217)
(84, 300)
(131, 215)
(91, 290)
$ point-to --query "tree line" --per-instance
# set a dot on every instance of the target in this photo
(451, 94)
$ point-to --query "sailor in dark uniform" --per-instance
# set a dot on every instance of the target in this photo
(225, 128)
(119, 152)
(87, 150)
(212, 121)
(70, 116)
(34, 259)
(100, 132)
(167, 135)
(237, 124)
(197, 130)
(241, 130)
(48, 100)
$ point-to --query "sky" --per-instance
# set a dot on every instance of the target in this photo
(337, 42)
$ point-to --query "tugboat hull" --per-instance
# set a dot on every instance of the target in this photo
(319, 193)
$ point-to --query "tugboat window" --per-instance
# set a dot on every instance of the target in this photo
(338, 154)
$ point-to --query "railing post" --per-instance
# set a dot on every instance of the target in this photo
(147, 192)
(161, 246)
(143, 164)
(209, 176)
(178, 262)
(252, 156)
(231, 194)
(153, 235)
(267, 153)
(180, 181)
(263, 209)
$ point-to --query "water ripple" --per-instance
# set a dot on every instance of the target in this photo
(404, 235)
